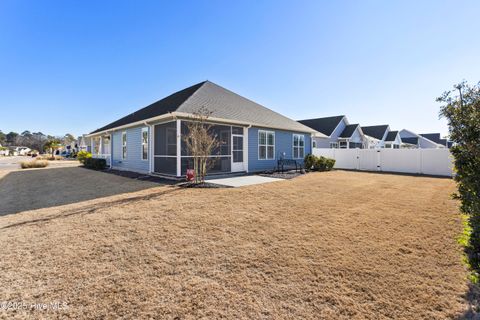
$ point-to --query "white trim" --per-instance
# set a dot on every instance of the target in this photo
(245, 148)
(212, 119)
(293, 145)
(179, 148)
(266, 144)
(336, 127)
(150, 147)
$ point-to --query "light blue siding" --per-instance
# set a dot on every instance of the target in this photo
(133, 161)
(283, 148)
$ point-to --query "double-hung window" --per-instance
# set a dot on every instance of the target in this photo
(266, 145)
(298, 146)
(144, 143)
(124, 145)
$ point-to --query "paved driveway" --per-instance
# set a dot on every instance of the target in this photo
(60, 184)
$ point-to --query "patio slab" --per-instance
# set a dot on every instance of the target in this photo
(243, 181)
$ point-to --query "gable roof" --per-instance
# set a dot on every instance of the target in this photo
(222, 103)
(349, 130)
(435, 137)
(324, 125)
(391, 136)
(376, 132)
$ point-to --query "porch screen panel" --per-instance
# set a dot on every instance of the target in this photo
(165, 148)
(220, 157)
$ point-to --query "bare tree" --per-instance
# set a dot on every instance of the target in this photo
(200, 143)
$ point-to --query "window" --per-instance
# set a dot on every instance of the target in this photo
(144, 143)
(266, 145)
(298, 146)
(396, 146)
(314, 144)
(388, 146)
(333, 145)
(343, 144)
(124, 145)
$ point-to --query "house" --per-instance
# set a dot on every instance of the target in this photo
(19, 151)
(83, 144)
(393, 140)
(252, 137)
(336, 133)
(412, 140)
(376, 135)
(435, 137)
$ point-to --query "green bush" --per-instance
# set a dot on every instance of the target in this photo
(462, 112)
(82, 155)
(96, 164)
(318, 163)
(309, 161)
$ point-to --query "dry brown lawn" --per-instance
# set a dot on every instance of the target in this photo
(337, 245)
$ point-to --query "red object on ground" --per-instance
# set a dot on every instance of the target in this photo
(190, 174)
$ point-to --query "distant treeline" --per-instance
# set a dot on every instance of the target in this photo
(33, 140)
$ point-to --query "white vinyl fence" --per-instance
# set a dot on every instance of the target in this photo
(437, 162)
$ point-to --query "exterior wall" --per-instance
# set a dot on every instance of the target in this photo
(283, 144)
(133, 161)
(356, 136)
(325, 142)
(422, 142)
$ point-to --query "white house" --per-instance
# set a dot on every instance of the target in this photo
(376, 135)
(411, 140)
(336, 132)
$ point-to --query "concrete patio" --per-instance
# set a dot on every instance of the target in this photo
(243, 181)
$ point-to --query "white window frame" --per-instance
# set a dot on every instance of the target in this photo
(144, 144)
(298, 147)
(124, 145)
(333, 145)
(266, 145)
(314, 143)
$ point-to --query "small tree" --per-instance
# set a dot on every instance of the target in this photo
(462, 112)
(52, 145)
(200, 143)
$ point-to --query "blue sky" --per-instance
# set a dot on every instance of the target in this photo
(73, 66)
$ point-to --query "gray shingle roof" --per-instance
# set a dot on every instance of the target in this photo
(435, 137)
(324, 125)
(348, 131)
(222, 103)
(391, 136)
(413, 140)
(376, 132)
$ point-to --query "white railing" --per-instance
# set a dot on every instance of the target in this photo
(437, 162)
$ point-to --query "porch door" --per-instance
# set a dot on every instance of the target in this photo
(237, 153)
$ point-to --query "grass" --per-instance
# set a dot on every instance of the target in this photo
(33, 164)
(335, 245)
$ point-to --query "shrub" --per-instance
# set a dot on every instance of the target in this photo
(462, 112)
(309, 161)
(94, 163)
(318, 163)
(83, 155)
(34, 164)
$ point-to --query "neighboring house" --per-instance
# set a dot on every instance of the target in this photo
(412, 140)
(393, 140)
(435, 137)
(19, 151)
(336, 133)
(83, 143)
(376, 135)
(252, 138)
